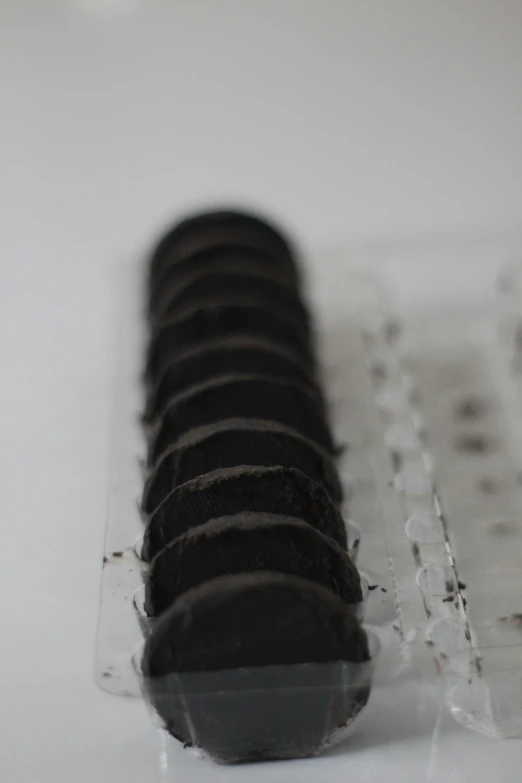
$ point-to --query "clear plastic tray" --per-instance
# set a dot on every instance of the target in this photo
(119, 630)
(440, 527)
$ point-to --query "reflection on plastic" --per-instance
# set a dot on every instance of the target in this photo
(262, 713)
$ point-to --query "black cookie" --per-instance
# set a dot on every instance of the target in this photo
(208, 320)
(256, 397)
(239, 442)
(216, 260)
(222, 228)
(221, 358)
(231, 491)
(222, 666)
(249, 542)
(243, 287)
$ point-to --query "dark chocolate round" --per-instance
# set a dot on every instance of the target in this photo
(217, 260)
(242, 286)
(231, 491)
(239, 443)
(257, 666)
(259, 619)
(249, 542)
(256, 397)
(219, 319)
(221, 358)
(221, 228)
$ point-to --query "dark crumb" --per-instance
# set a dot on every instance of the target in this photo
(478, 664)
(464, 602)
(117, 554)
(470, 681)
(396, 628)
(447, 599)
(392, 329)
(105, 560)
(467, 633)
(470, 408)
(473, 444)
(107, 674)
(443, 656)
(449, 586)
(373, 587)
(378, 371)
(461, 585)
(488, 485)
(416, 553)
(396, 458)
(356, 543)
(513, 619)
(383, 590)
(430, 643)
(426, 607)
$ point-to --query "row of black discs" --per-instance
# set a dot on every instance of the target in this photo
(245, 541)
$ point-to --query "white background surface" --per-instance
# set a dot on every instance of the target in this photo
(353, 122)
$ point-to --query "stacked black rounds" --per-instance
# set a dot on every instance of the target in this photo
(249, 581)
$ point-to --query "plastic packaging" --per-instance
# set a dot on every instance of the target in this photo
(415, 400)
(269, 712)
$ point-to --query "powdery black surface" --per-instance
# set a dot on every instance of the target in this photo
(221, 229)
(230, 356)
(239, 443)
(228, 317)
(253, 620)
(233, 490)
(249, 542)
(256, 397)
(218, 259)
(249, 576)
(249, 283)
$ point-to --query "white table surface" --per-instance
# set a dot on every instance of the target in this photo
(353, 122)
